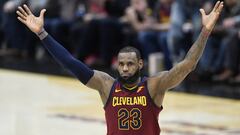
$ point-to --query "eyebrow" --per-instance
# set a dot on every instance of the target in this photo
(121, 61)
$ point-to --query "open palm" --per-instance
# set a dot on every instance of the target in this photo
(35, 24)
(210, 20)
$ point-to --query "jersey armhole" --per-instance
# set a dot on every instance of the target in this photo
(150, 98)
(110, 94)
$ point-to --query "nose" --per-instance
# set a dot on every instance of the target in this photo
(125, 68)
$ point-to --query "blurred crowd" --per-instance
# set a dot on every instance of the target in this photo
(94, 31)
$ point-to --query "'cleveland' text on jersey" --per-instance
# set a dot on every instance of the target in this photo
(131, 112)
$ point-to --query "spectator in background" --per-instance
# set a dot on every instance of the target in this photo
(184, 20)
(233, 55)
(89, 42)
(19, 46)
(16, 44)
(111, 36)
(212, 61)
(137, 15)
(155, 38)
(2, 2)
(231, 61)
(228, 57)
(103, 33)
(151, 30)
(1, 22)
(60, 18)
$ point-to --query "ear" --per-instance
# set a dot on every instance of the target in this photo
(140, 62)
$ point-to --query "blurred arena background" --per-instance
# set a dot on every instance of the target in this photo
(38, 97)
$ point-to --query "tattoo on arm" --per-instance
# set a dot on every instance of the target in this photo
(100, 80)
(172, 78)
(183, 68)
(196, 50)
(176, 75)
(106, 77)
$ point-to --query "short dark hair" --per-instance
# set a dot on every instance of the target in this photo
(131, 49)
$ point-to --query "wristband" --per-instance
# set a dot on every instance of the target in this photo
(42, 34)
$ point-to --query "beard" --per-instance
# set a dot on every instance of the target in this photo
(131, 79)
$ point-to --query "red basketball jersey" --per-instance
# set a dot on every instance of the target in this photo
(131, 112)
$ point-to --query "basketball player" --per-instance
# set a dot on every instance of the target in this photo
(132, 103)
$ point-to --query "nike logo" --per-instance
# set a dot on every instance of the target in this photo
(140, 89)
(117, 90)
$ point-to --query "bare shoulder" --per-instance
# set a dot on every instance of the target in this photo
(155, 83)
(156, 87)
(103, 75)
(166, 80)
(158, 77)
(101, 81)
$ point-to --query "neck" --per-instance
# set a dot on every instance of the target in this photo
(133, 85)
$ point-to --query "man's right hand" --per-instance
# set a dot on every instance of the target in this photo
(35, 24)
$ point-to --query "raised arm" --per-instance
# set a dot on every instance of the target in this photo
(93, 79)
(169, 79)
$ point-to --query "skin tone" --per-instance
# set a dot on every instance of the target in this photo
(128, 62)
(141, 7)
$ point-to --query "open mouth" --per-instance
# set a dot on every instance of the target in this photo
(125, 77)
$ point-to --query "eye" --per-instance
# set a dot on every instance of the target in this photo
(130, 63)
(120, 64)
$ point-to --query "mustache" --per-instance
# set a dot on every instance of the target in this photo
(129, 79)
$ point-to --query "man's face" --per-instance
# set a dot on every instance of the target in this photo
(129, 67)
(139, 5)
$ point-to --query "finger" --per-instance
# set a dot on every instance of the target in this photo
(42, 13)
(202, 12)
(22, 11)
(21, 15)
(216, 6)
(21, 20)
(27, 9)
(219, 9)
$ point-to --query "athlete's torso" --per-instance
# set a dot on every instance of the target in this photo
(131, 112)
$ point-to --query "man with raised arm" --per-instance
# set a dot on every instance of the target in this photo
(132, 103)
